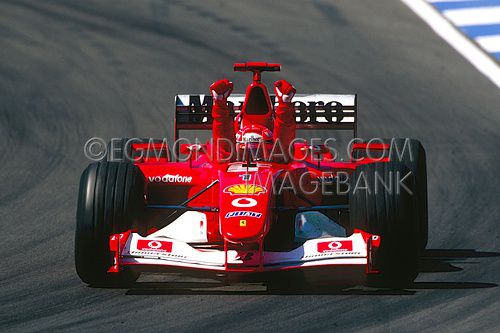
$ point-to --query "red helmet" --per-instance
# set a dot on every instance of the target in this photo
(256, 140)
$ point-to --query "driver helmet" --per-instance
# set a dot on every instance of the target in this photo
(257, 140)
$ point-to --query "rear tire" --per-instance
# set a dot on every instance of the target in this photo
(389, 213)
(110, 201)
(120, 150)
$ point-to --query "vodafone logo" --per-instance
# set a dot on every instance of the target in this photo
(168, 178)
(154, 245)
(335, 246)
(244, 202)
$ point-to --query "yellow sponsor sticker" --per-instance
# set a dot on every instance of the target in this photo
(246, 189)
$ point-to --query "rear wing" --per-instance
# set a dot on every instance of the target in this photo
(318, 111)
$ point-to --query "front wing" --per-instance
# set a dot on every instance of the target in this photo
(131, 249)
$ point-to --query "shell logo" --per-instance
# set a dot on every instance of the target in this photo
(246, 189)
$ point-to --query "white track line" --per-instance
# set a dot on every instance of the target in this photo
(489, 43)
(486, 65)
(473, 16)
(448, 0)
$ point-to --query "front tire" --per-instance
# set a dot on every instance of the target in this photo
(110, 201)
(412, 153)
(389, 213)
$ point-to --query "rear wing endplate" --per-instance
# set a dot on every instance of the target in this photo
(317, 111)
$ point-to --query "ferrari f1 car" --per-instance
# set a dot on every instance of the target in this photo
(362, 220)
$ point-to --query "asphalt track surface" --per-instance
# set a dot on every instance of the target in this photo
(72, 70)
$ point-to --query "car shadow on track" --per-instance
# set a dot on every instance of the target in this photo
(432, 261)
(444, 260)
(193, 288)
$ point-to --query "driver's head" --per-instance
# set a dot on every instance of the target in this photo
(254, 142)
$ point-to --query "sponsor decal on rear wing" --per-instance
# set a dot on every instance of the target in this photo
(315, 111)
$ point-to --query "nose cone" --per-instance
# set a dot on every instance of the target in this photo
(243, 209)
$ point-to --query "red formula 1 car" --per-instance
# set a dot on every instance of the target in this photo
(254, 214)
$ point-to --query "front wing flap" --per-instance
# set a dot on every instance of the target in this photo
(159, 251)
